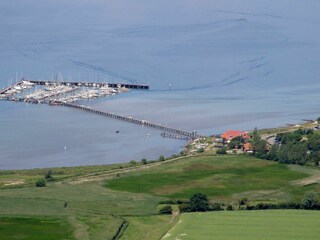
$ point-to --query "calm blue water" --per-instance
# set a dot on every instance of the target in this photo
(230, 64)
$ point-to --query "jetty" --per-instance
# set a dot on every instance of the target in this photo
(130, 119)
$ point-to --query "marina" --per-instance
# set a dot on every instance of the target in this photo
(68, 93)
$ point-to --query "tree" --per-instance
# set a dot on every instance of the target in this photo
(144, 161)
(315, 158)
(311, 201)
(273, 154)
(222, 151)
(314, 142)
(260, 147)
(41, 183)
(167, 209)
(199, 202)
(200, 150)
(258, 144)
(48, 176)
(293, 153)
(236, 142)
(255, 139)
(292, 137)
(133, 162)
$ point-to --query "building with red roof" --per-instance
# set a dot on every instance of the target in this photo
(230, 134)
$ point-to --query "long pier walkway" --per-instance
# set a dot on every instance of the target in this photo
(131, 120)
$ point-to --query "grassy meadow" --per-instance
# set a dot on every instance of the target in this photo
(247, 225)
(220, 177)
(102, 199)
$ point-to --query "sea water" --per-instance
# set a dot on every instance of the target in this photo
(211, 66)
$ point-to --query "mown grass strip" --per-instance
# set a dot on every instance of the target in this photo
(247, 225)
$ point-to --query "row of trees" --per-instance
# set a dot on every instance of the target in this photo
(199, 203)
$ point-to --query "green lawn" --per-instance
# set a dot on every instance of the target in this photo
(35, 228)
(247, 225)
(223, 177)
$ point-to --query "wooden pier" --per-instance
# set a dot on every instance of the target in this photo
(91, 84)
(131, 120)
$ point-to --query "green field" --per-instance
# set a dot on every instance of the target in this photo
(219, 177)
(35, 229)
(247, 225)
(93, 211)
(101, 199)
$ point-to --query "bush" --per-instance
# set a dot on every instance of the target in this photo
(41, 183)
(222, 151)
(215, 207)
(311, 201)
(184, 208)
(48, 176)
(144, 161)
(230, 208)
(133, 162)
(167, 209)
(183, 201)
(243, 201)
(171, 201)
(183, 153)
(289, 205)
(200, 150)
(250, 207)
(265, 206)
(167, 202)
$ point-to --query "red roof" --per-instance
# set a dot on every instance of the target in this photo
(233, 134)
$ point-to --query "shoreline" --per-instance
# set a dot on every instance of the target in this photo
(113, 166)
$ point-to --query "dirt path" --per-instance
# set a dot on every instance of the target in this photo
(80, 229)
(99, 176)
